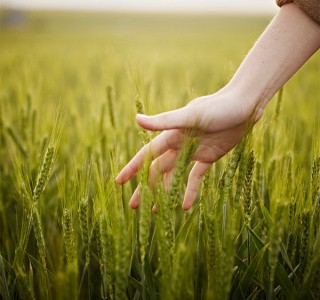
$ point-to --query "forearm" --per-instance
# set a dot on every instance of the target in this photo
(287, 43)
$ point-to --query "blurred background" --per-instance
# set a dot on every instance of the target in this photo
(16, 13)
(70, 50)
(170, 52)
(225, 6)
(121, 27)
(89, 61)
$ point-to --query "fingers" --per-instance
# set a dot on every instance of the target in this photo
(154, 209)
(195, 177)
(166, 140)
(168, 179)
(171, 139)
(135, 200)
(167, 183)
(175, 119)
(161, 165)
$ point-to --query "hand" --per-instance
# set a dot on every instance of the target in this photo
(222, 119)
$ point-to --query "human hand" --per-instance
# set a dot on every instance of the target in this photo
(221, 119)
(224, 117)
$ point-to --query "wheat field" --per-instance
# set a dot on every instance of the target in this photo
(71, 84)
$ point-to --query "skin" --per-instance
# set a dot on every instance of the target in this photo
(223, 117)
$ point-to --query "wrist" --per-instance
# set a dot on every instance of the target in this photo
(252, 100)
(287, 43)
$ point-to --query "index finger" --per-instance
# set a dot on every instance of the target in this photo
(170, 139)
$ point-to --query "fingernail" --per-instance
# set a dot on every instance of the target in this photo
(154, 209)
(133, 205)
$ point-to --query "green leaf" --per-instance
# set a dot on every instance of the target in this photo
(136, 284)
(285, 256)
(283, 251)
(249, 274)
(183, 232)
(238, 262)
(153, 243)
(149, 279)
(267, 216)
(243, 246)
(4, 287)
(281, 275)
(278, 288)
(285, 283)
(255, 294)
(314, 264)
(133, 225)
(135, 265)
(257, 241)
(136, 296)
(36, 264)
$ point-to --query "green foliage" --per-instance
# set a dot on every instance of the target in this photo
(66, 229)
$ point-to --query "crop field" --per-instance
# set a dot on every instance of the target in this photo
(70, 86)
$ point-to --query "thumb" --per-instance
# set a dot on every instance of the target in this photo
(174, 119)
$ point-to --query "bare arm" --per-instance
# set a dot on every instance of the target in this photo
(286, 44)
